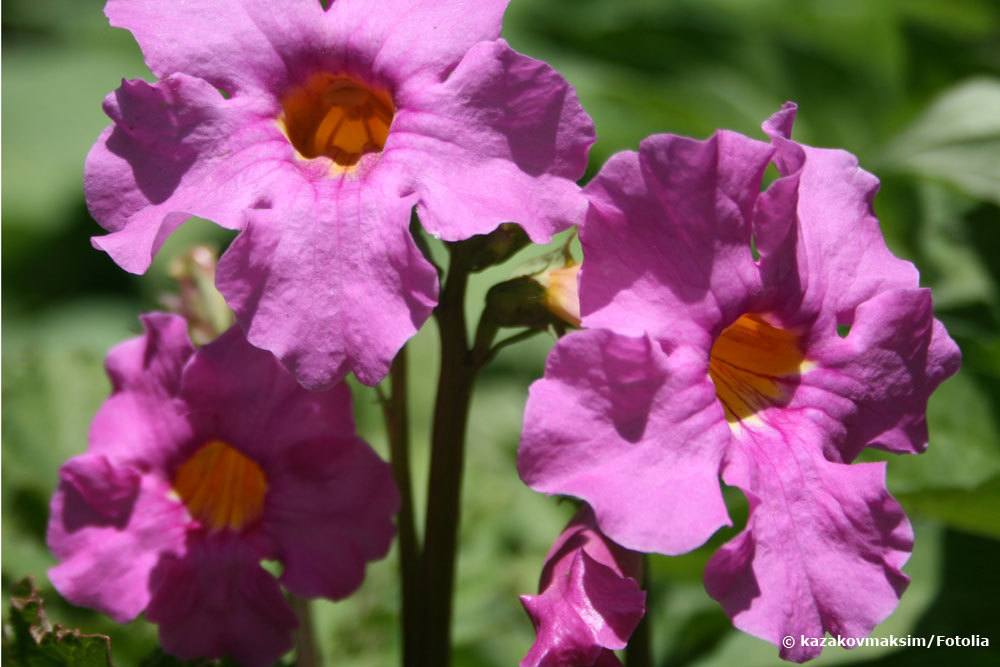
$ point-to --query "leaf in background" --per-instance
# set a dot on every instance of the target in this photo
(29, 640)
(974, 510)
(956, 140)
(959, 274)
(964, 450)
(45, 142)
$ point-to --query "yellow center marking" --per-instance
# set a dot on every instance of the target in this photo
(750, 365)
(221, 487)
(337, 117)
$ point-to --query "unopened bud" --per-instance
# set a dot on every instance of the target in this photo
(197, 298)
(485, 250)
(562, 292)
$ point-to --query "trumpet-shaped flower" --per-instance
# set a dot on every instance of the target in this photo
(201, 464)
(767, 337)
(589, 601)
(314, 131)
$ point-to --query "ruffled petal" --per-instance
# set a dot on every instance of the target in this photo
(822, 250)
(590, 601)
(151, 364)
(142, 423)
(638, 435)
(234, 44)
(243, 395)
(823, 546)
(177, 149)
(501, 119)
(218, 601)
(892, 360)
(424, 39)
(109, 528)
(667, 237)
(330, 510)
(333, 282)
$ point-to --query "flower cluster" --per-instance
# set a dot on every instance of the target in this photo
(764, 337)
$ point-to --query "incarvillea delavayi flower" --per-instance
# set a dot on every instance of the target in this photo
(314, 130)
(589, 600)
(200, 465)
(764, 337)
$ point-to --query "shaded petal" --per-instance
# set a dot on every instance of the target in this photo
(406, 38)
(242, 394)
(332, 282)
(501, 119)
(106, 489)
(177, 149)
(590, 601)
(822, 251)
(234, 44)
(823, 546)
(218, 601)
(109, 529)
(151, 364)
(142, 423)
(895, 356)
(635, 433)
(667, 237)
(330, 509)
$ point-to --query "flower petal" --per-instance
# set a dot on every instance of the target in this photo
(667, 237)
(406, 38)
(231, 43)
(821, 245)
(218, 601)
(331, 282)
(504, 119)
(635, 433)
(892, 360)
(244, 396)
(330, 509)
(823, 546)
(109, 530)
(176, 149)
(142, 423)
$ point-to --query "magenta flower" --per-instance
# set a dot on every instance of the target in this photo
(703, 360)
(589, 602)
(315, 132)
(200, 464)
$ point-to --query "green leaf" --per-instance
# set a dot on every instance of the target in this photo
(30, 640)
(973, 510)
(956, 140)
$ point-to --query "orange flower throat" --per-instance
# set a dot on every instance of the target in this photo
(338, 117)
(221, 487)
(752, 364)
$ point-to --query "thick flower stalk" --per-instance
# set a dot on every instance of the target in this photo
(589, 600)
(315, 130)
(201, 464)
(764, 337)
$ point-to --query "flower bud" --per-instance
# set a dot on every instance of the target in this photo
(562, 294)
(197, 299)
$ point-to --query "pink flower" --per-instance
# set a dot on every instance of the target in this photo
(590, 601)
(701, 360)
(315, 132)
(200, 464)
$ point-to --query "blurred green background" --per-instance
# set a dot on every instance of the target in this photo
(911, 86)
